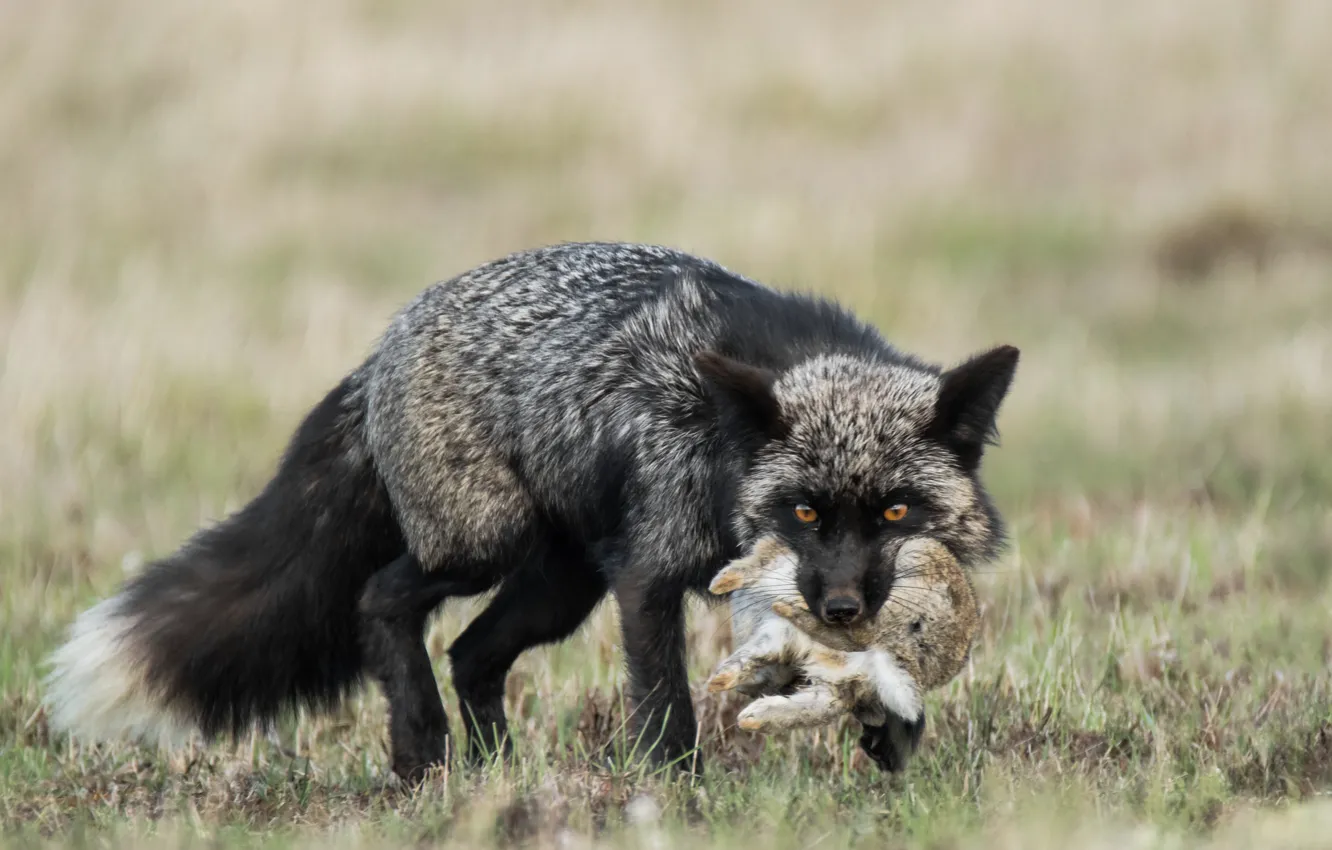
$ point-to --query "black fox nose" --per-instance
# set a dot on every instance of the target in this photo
(841, 610)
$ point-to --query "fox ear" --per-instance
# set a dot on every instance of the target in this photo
(745, 389)
(968, 405)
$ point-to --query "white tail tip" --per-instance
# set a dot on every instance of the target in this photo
(97, 690)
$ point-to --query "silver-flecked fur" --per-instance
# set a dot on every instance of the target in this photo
(494, 393)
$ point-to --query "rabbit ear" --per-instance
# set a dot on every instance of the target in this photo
(738, 573)
(730, 578)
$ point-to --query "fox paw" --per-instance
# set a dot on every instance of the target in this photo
(891, 745)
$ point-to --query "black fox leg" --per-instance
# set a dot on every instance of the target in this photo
(394, 607)
(892, 744)
(543, 603)
(653, 622)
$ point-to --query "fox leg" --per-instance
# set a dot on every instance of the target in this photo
(394, 607)
(663, 726)
(543, 602)
(815, 705)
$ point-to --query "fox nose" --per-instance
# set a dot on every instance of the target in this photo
(841, 610)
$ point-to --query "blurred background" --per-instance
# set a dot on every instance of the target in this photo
(208, 212)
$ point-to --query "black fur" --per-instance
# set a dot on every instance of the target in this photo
(745, 390)
(969, 402)
(258, 613)
(844, 554)
(544, 600)
(891, 745)
(394, 608)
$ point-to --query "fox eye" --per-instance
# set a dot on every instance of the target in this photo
(895, 513)
(806, 514)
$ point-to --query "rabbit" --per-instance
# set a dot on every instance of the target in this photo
(881, 667)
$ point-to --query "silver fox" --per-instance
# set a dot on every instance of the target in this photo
(553, 426)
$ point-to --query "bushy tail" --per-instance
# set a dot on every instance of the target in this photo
(250, 617)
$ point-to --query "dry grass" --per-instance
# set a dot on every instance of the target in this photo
(208, 212)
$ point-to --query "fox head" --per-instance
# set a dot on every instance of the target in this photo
(854, 457)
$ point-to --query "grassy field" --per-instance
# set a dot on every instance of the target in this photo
(209, 211)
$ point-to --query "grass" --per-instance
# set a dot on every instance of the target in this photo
(207, 214)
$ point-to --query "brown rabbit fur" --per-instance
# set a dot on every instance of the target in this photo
(919, 640)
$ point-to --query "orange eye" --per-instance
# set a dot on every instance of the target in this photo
(895, 513)
(805, 513)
